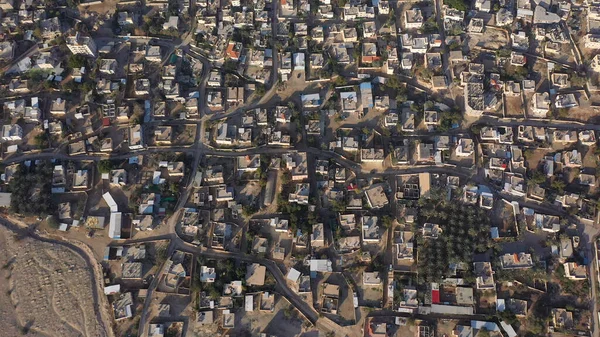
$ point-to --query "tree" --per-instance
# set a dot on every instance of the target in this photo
(260, 89)
(483, 333)
(558, 185)
(508, 316)
(503, 52)
(391, 18)
(76, 61)
(172, 331)
(562, 113)
(430, 26)
(42, 140)
(577, 80)
(249, 210)
(105, 166)
(538, 177)
(448, 119)
(340, 81)
(392, 83)
(457, 4)
(387, 221)
(52, 222)
(454, 45)
(138, 114)
(402, 95)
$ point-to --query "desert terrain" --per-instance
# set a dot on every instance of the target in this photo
(48, 289)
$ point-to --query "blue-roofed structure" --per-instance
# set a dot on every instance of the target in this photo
(366, 95)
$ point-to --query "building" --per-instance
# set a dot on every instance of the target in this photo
(566, 101)
(7, 49)
(366, 96)
(58, 107)
(80, 179)
(124, 19)
(114, 226)
(431, 230)
(11, 133)
(142, 86)
(465, 147)
(404, 246)
(255, 274)
(474, 95)
(516, 261)
(207, 274)
(376, 196)
(311, 100)
(349, 101)
(296, 162)
(108, 66)
(371, 279)
(330, 301)
(6, 5)
(370, 229)
(132, 270)
(299, 62)
(136, 141)
(152, 54)
(228, 319)
(5, 199)
(541, 104)
(413, 18)
(575, 271)
(235, 95)
(347, 221)
(484, 275)
(249, 163)
(317, 238)
(372, 155)
(215, 78)
(204, 318)
(348, 244)
(301, 194)
(561, 318)
(81, 45)
(156, 330)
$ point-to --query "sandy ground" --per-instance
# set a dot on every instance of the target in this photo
(48, 287)
(8, 315)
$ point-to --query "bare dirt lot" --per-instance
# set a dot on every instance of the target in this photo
(491, 39)
(11, 325)
(49, 288)
(514, 106)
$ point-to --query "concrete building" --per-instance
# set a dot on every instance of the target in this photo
(11, 133)
(81, 45)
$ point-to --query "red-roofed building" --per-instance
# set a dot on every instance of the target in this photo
(435, 293)
(234, 50)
